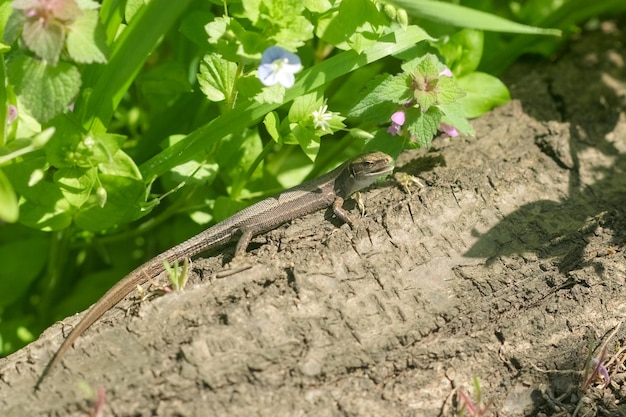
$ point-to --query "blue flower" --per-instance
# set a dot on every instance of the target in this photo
(278, 66)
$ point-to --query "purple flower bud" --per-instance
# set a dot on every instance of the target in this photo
(397, 121)
(448, 129)
(599, 369)
(446, 73)
(11, 114)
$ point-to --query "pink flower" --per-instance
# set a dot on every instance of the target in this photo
(11, 114)
(397, 120)
(446, 72)
(449, 130)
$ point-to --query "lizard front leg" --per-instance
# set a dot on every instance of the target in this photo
(340, 212)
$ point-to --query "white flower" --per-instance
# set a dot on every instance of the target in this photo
(321, 118)
(278, 66)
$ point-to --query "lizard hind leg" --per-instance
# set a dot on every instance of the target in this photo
(246, 235)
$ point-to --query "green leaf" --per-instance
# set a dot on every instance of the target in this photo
(125, 198)
(87, 4)
(303, 106)
(456, 15)
(357, 25)
(86, 40)
(282, 23)
(375, 105)
(271, 95)
(70, 147)
(271, 121)
(46, 90)
(192, 27)
(195, 171)
(163, 84)
(308, 140)
(61, 148)
(423, 125)
(14, 24)
(132, 7)
(48, 210)
(109, 83)
(217, 77)
(97, 148)
(22, 261)
(317, 6)
(308, 80)
(76, 184)
(45, 39)
(233, 42)
(448, 90)
(454, 115)
(9, 210)
(484, 92)
(462, 51)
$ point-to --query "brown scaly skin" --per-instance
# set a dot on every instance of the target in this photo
(329, 190)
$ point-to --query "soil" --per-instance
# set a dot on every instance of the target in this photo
(498, 258)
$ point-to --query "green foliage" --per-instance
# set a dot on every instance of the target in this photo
(128, 126)
(561, 15)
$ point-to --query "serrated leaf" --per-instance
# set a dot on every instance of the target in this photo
(484, 92)
(425, 99)
(369, 96)
(282, 23)
(454, 115)
(396, 89)
(217, 77)
(233, 42)
(448, 91)
(252, 10)
(45, 90)
(45, 40)
(217, 28)
(294, 34)
(427, 66)
(423, 125)
(382, 97)
(356, 25)
(86, 39)
(9, 210)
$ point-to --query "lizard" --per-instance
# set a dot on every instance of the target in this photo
(328, 190)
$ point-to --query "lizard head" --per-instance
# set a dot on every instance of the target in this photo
(366, 169)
